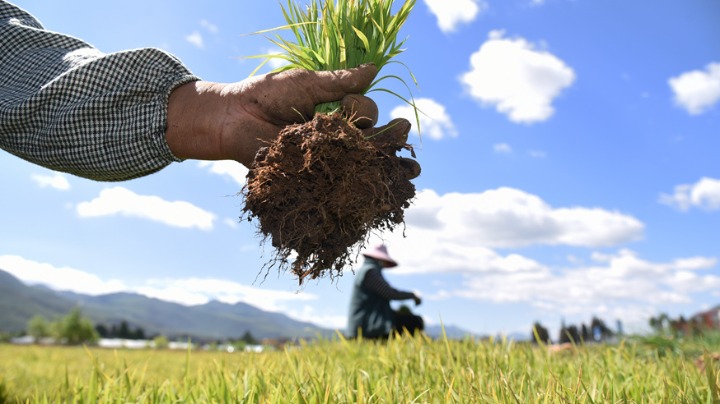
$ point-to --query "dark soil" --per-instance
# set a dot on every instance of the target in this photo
(321, 189)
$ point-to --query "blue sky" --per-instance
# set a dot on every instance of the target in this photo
(569, 160)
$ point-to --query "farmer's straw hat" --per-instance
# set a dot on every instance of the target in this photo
(379, 252)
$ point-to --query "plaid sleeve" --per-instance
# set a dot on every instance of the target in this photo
(66, 106)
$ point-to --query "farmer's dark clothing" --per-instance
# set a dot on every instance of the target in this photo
(67, 106)
(370, 311)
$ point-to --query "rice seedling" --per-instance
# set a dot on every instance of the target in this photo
(342, 35)
(323, 186)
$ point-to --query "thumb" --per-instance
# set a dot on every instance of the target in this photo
(333, 85)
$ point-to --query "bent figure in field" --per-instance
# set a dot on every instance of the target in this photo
(370, 313)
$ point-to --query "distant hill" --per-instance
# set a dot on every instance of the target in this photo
(452, 332)
(214, 320)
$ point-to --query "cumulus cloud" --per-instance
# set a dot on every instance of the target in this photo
(124, 202)
(434, 119)
(697, 90)
(622, 279)
(704, 194)
(229, 168)
(195, 38)
(59, 278)
(520, 80)
(508, 217)
(538, 154)
(192, 291)
(452, 13)
(321, 318)
(56, 181)
(502, 148)
(209, 26)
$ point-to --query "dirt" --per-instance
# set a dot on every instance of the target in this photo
(320, 190)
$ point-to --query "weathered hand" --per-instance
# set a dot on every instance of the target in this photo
(264, 105)
(393, 138)
(216, 121)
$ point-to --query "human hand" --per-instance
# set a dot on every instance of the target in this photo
(417, 300)
(215, 121)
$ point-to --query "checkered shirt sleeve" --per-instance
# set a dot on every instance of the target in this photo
(66, 106)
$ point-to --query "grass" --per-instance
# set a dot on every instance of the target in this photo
(405, 370)
(341, 34)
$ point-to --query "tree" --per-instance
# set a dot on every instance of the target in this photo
(600, 331)
(570, 335)
(75, 329)
(161, 342)
(540, 334)
(248, 338)
(124, 332)
(38, 328)
(102, 331)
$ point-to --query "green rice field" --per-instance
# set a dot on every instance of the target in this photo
(404, 370)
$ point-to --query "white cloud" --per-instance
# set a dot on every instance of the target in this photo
(502, 148)
(538, 154)
(624, 278)
(195, 39)
(623, 285)
(59, 278)
(507, 217)
(231, 223)
(187, 291)
(275, 63)
(518, 79)
(434, 119)
(192, 291)
(229, 168)
(452, 13)
(209, 26)
(697, 90)
(122, 201)
(704, 194)
(56, 181)
(309, 314)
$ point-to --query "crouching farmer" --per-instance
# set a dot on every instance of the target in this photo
(370, 313)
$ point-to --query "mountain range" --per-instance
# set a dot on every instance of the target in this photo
(214, 320)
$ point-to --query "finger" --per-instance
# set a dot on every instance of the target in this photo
(360, 110)
(393, 135)
(328, 86)
(411, 167)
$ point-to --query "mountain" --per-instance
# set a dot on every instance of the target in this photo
(213, 320)
(452, 332)
(19, 303)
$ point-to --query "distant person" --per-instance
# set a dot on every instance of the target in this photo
(370, 313)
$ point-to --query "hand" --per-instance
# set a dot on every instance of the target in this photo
(387, 138)
(215, 121)
(417, 300)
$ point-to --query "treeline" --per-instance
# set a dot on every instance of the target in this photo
(75, 329)
(72, 329)
(596, 331)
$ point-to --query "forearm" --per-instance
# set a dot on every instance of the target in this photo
(66, 106)
(375, 282)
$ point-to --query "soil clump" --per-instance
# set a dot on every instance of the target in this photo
(321, 188)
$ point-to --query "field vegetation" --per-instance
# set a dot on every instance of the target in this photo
(405, 370)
